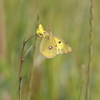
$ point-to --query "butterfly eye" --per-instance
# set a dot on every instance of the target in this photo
(59, 42)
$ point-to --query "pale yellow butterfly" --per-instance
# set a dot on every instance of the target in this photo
(51, 45)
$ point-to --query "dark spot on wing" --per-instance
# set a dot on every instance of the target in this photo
(50, 47)
(59, 42)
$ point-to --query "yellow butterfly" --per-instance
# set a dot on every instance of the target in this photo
(51, 45)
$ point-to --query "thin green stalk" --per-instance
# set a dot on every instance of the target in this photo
(33, 65)
(21, 63)
(90, 51)
(31, 74)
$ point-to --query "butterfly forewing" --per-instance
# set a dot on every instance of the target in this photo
(62, 46)
(48, 46)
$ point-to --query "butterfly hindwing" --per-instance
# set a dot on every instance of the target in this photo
(62, 46)
(48, 46)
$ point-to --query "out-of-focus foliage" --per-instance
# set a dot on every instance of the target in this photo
(59, 78)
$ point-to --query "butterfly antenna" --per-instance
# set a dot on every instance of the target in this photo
(49, 30)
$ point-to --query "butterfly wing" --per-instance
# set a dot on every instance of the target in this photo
(62, 46)
(48, 46)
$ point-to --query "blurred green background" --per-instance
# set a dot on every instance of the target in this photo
(59, 78)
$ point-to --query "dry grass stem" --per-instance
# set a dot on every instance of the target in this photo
(31, 73)
(33, 65)
(90, 51)
(21, 63)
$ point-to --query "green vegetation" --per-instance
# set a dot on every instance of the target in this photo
(63, 77)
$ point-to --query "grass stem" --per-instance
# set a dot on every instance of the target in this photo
(90, 51)
(21, 63)
(33, 65)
